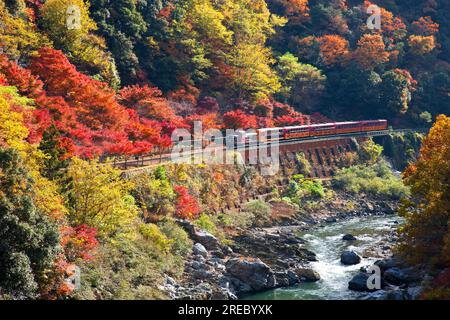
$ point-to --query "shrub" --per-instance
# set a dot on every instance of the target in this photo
(370, 152)
(304, 165)
(234, 219)
(260, 211)
(204, 222)
(377, 180)
(181, 243)
(152, 233)
(124, 270)
(300, 188)
(154, 193)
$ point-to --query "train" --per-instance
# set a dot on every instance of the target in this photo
(313, 130)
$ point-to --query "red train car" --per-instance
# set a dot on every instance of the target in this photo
(317, 130)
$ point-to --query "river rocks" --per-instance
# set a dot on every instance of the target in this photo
(396, 294)
(307, 275)
(199, 249)
(349, 237)
(397, 276)
(292, 276)
(307, 255)
(350, 258)
(414, 293)
(254, 273)
(376, 295)
(209, 241)
(202, 274)
(387, 208)
(386, 263)
(282, 279)
(359, 282)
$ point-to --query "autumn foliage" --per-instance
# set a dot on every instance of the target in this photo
(187, 206)
(426, 236)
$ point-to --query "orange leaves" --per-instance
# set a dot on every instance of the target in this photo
(426, 234)
(147, 101)
(425, 26)
(421, 45)
(371, 51)
(187, 206)
(333, 50)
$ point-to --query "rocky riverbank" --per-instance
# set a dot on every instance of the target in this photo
(398, 281)
(272, 256)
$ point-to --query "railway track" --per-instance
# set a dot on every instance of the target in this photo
(140, 163)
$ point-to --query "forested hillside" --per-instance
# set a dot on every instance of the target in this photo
(83, 81)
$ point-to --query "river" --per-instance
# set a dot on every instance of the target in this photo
(327, 243)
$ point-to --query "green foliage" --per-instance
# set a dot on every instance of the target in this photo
(54, 161)
(30, 241)
(302, 84)
(376, 180)
(181, 243)
(154, 193)
(125, 270)
(234, 219)
(426, 117)
(370, 152)
(300, 189)
(303, 163)
(402, 148)
(204, 222)
(260, 211)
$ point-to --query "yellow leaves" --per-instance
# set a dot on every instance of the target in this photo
(13, 134)
(152, 233)
(421, 45)
(208, 21)
(12, 130)
(18, 36)
(67, 21)
(252, 71)
(100, 198)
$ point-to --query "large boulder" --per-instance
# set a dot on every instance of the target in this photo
(396, 276)
(350, 258)
(349, 237)
(307, 275)
(200, 249)
(414, 293)
(397, 294)
(386, 264)
(254, 273)
(209, 241)
(359, 282)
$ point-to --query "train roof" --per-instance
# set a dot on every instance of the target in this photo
(270, 129)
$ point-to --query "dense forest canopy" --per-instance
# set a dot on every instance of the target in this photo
(124, 75)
